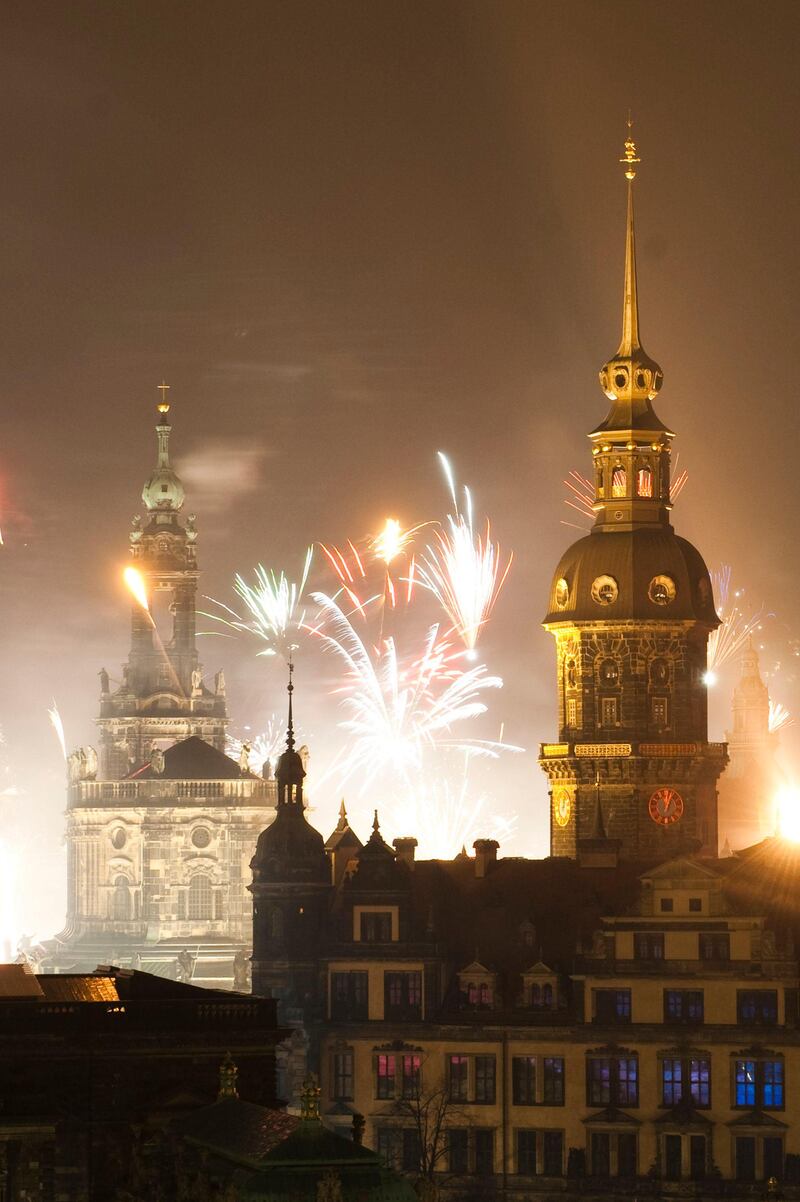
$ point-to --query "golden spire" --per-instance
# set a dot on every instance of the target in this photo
(163, 404)
(630, 302)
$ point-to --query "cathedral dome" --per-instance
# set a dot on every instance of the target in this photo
(644, 574)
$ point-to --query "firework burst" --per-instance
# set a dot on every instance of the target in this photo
(272, 604)
(735, 627)
(264, 746)
(397, 710)
(779, 717)
(463, 570)
(58, 727)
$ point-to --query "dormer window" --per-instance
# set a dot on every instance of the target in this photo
(476, 984)
(540, 988)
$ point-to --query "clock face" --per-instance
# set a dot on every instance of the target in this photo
(562, 806)
(666, 806)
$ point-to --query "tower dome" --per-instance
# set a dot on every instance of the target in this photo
(631, 608)
(164, 489)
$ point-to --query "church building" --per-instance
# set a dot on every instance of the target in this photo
(161, 830)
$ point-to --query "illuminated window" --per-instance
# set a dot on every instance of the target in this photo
(572, 712)
(644, 482)
(200, 897)
(683, 1005)
(385, 1074)
(759, 1083)
(660, 711)
(757, 1006)
(412, 1067)
(612, 1081)
(608, 711)
(619, 482)
(682, 1080)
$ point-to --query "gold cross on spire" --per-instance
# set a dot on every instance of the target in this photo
(163, 405)
(629, 160)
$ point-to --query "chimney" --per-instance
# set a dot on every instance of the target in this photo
(485, 856)
(406, 849)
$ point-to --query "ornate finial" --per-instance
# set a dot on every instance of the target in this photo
(629, 160)
(290, 690)
(309, 1099)
(163, 404)
(342, 825)
(228, 1072)
(376, 826)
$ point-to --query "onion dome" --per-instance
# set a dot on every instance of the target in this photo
(163, 490)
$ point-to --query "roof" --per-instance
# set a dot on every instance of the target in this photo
(18, 981)
(192, 759)
(78, 988)
(236, 1129)
(633, 558)
(312, 1144)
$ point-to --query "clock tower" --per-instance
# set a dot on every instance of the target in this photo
(631, 609)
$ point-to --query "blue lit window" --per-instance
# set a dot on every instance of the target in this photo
(773, 1083)
(745, 1082)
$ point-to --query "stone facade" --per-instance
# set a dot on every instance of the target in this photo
(159, 839)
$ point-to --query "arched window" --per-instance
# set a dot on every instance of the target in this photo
(486, 994)
(644, 482)
(472, 993)
(536, 995)
(121, 900)
(547, 997)
(619, 482)
(200, 897)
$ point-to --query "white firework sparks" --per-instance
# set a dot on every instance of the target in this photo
(463, 570)
(272, 603)
(398, 709)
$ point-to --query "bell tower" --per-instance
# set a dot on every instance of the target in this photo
(162, 695)
(631, 609)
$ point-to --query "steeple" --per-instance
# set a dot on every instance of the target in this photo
(163, 491)
(631, 379)
(632, 446)
(289, 770)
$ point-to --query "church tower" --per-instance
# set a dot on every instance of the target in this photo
(631, 609)
(747, 790)
(162, 695)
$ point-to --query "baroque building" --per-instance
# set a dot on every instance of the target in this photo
(631, 609)
(160, 832)
(619, 1018)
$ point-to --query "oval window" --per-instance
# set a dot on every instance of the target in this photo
(604, 590)
(201, 837)
(662, 590)
(562, 593)
(659, 671)
(119, 839)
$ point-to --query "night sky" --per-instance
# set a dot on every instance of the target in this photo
(348, 236)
